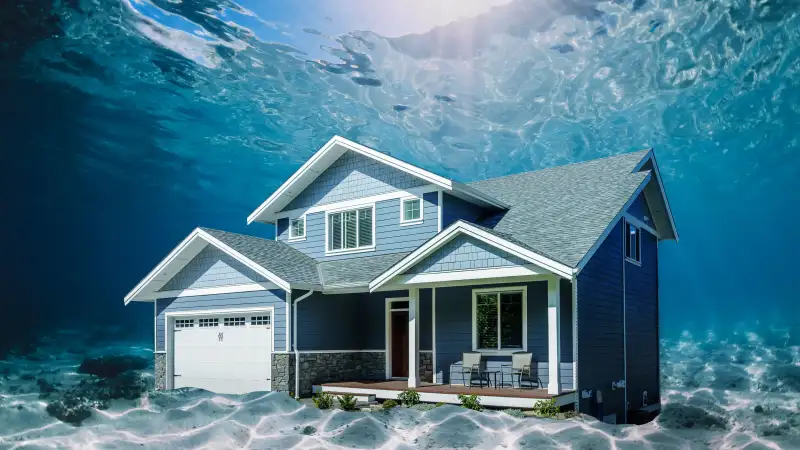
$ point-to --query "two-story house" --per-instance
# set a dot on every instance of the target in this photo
(382, 275)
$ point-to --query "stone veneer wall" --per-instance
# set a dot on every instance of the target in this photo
(283, 372)
(426, 366)
(318, 368)
(160, 370)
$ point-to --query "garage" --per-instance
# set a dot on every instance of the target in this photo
(227, 354)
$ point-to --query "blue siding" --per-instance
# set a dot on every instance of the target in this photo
(390, 237)
(353, 175)
(641, 302)
(454, 332)
(453, 208)
(211, 268)
(256, 299)
(600, 324)
(465, 253)
(353, 321)
(640, 210)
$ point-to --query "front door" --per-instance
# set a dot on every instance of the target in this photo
(400, 344)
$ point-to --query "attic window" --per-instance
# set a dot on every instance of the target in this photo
(297, 228)
(410, 210)
(633, 243)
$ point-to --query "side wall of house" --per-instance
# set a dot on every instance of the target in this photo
(641, 301)
(454, 317)
(600, 325)
(390, 235)
(453, 208)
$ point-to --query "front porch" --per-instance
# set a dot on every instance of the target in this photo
(435, 393)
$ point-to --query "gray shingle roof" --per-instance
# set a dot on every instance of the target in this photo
(289, 264)
(357, 271)
(560, 212)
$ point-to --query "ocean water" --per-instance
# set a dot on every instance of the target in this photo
(126, 123)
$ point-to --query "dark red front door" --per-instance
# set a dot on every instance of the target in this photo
(400, 344)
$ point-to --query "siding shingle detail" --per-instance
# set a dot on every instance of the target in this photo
(212, 268)
(353, 175)
(465, 253)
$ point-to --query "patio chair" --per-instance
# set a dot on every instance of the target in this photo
(471, 364)
(521, 367)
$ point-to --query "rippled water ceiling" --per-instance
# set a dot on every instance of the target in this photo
(131, 122)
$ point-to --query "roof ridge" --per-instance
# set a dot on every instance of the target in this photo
(576, 163)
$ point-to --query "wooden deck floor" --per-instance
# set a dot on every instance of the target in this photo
(401, 385)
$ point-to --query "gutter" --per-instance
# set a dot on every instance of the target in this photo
(294, 345)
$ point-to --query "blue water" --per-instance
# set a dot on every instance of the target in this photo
(124, 124)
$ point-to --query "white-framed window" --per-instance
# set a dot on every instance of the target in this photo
(297, 228)
(234, 321)
(184, 323)
(261, 320)
(410, 210)
(203, 323)
(500, 319)
(350, 230)
(633, 243)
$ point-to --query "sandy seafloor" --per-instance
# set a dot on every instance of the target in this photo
(736, 392)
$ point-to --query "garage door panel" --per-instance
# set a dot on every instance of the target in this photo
(224, 359)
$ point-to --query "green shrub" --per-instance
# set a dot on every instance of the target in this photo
(570, 414)
(409, 397)
(389, 404)
(438, 404)
(546, 408)
(347, 402)
(323, 400)
(470, 402)
(514, 413)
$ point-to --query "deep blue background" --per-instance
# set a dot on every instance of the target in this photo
(125, 125)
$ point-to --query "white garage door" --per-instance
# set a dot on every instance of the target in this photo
(229, 354)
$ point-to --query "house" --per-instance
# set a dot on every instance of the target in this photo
(381, 275)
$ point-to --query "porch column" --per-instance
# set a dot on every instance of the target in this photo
(413, 338)
(554, 335)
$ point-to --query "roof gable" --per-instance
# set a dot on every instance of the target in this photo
(326, 156)
(351, 176)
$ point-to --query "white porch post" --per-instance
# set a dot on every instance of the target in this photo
(554, 335)
(413, 338)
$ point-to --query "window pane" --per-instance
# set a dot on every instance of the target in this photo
(365, 227)
(298, 228)
(411, 209)
(511, 320)
(486, 320)
(335, 231)
(638, 254)
(349, 218)
(628, 242)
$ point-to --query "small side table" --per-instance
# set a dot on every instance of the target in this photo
(494, 377)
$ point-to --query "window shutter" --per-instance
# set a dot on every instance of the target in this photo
(365, 227)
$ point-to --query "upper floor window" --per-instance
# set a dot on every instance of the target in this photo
(350, 230)
(297, 228)
(410, 209)
(633, 243)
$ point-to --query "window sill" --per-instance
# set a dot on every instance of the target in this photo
(296, 239)
(633, 261)
(349, 251)
(408, 223)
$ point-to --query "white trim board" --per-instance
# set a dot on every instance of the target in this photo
(433, 397)
(460, 227)
(232, 289)
(181, 255)
(329, 153)
(486, 275)
(651, 156)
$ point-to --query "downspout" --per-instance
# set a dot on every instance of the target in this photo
(296, 352)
